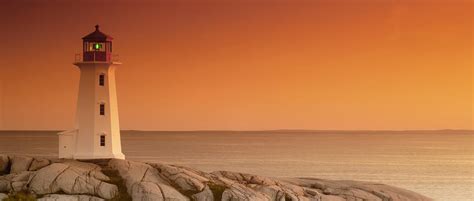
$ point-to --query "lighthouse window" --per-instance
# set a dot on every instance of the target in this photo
(96, 47)
(102, 140)
(102, 109)
(101, 79)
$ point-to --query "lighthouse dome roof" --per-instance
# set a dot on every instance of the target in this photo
(97, 35)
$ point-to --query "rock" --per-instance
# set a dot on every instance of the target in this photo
(5, 186)
(18, 182)
(153, 191)
(20, 163)
(44, 182)
(331, 198)
(4, 164)
(241, 186)
(23, 176)
(18, 186)
(131, 172)
(246, 178)
(5, 183)
(57, 197)
(106, 190)
(356, 190)
(254, 185)
(38, 163)
(386, 192)
(240, 193)
(72, 178)
(144, 182)
(297, 192)
(237, 190)
(171, 193)
(273, 192)
(184, 180)
(90, 169)
(146, 191)
(3, 196)
(205, 195)
(80, 181)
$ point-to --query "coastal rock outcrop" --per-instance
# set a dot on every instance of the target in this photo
(225, 185)
(94, 180)
(357, 190)
(4, 164)
(72, 177)
(20, 163)
(59, 197)
(144, 182)
(38, 163)
(3, 196)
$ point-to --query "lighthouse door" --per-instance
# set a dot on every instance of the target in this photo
(66, 145)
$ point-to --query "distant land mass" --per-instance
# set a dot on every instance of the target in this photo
(441, 131)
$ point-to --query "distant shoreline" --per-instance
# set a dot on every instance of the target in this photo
(442, 131)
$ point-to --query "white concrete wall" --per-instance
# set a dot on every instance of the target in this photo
(85, 112)
(1, 100)
(90, 124)
(114, 116)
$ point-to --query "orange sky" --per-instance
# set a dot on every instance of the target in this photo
(246, 65)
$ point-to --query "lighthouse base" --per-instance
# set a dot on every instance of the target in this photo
(69, 149)
(99, 156)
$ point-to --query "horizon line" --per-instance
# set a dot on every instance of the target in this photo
(267, 130)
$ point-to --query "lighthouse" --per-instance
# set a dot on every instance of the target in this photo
(97, 132)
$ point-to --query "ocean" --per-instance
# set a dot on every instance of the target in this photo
(438, 164)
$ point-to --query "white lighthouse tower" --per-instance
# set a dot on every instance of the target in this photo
(97, 132)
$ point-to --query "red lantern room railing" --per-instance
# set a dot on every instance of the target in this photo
(79, 57)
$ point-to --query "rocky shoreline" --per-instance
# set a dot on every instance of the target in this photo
(94, 180)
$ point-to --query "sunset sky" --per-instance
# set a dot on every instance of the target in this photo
(246, 65)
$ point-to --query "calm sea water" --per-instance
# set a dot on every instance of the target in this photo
(437, 164)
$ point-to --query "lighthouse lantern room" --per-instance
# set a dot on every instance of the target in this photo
(97, 132)
(97, 46)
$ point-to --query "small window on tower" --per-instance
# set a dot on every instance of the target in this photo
(101, 79)
(102, 109)
(102, 140)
